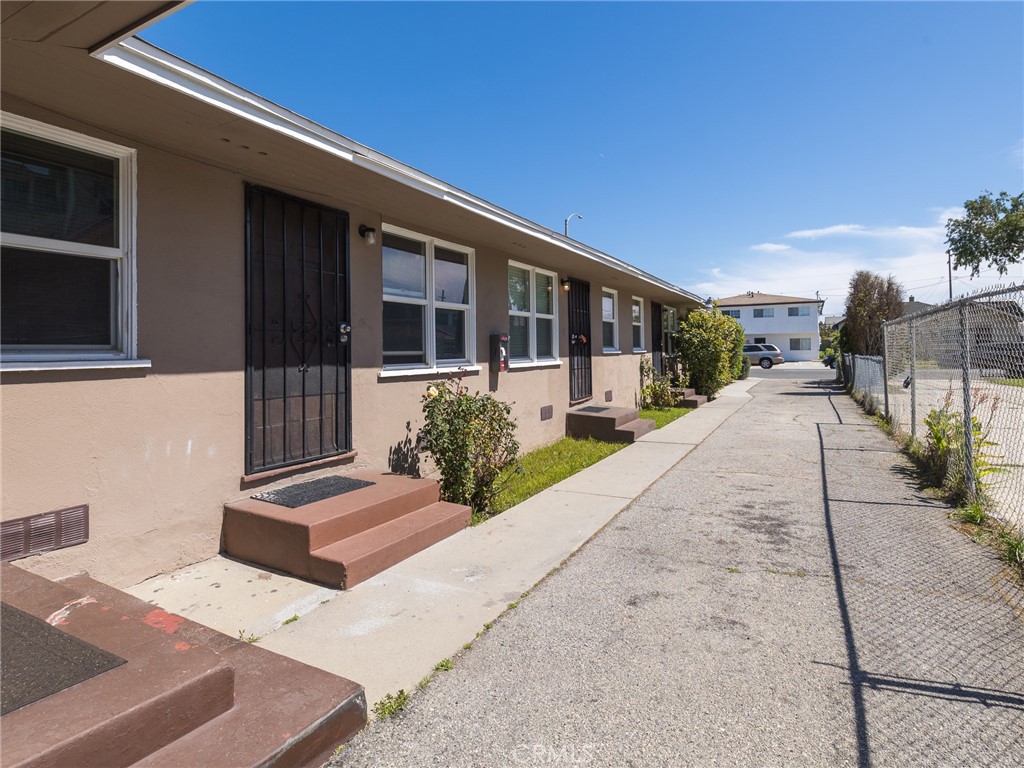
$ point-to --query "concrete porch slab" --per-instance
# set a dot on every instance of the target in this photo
(233, 597)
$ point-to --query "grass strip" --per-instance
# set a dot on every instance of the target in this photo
(663, 416)
(549, 465)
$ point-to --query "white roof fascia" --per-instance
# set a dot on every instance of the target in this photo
(148, 61)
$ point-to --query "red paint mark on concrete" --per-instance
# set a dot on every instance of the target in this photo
(60, 616)
(181, 646)
(161, 619)
(124, 618)
(105, 608)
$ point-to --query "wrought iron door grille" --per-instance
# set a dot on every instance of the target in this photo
(297, 360)
(580, 377)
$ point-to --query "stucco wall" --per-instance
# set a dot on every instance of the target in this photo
(157, 452)
(153, 452)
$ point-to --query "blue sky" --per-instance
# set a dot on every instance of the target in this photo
(723, 146)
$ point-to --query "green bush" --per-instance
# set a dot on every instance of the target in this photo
(707, 343)
(945, 446)
(471, 438)
(738, 369)
(655, 389)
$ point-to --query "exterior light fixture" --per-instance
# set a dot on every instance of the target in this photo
(565, 285)
(569, 218)
(369, 234)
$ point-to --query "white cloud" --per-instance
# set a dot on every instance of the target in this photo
(770, 247)
(835, 229)
(914, 255)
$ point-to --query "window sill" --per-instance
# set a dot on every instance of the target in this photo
(608, 351)
(528, 364)
(9, 366)
(409, 373)
(639, 351)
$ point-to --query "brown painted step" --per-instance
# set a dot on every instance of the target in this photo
(629, 432)
(166, 689)
(283, 538)
(357, 558)
(612, 424)
(694, 401)
(284, 712)
(600, 422)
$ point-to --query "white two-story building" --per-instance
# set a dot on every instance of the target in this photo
(788, 322)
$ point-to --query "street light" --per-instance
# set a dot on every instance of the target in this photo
(568, 218)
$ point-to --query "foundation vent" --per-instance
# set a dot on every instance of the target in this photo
(607, 395)
(61, 528)
(547, 412)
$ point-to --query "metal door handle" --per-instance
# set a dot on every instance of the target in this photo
(344, 331)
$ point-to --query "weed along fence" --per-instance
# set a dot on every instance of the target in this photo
(952, 379)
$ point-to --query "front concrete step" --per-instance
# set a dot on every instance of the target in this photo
(188, 695)
(345, 539)
(629, 432)
(601, 422)
(117, 717)
(311, 711)
(688, 398)
(283, 538)
(357, 558)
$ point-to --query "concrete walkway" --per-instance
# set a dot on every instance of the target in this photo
(782, 596)
(389, 631)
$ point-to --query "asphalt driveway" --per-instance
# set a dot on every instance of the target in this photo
(782, 596)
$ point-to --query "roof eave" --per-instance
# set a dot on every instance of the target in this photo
(149, 61)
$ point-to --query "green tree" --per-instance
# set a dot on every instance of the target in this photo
(991, 233)
(872, 300)
(706, 343)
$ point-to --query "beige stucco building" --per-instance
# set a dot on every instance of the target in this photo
(206, 295)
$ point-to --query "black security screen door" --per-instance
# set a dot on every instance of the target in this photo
(580, 385)
(657, 337)
(297, 359)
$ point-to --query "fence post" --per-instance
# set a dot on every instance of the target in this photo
(965, 370)
(913, 380)
(885, 370)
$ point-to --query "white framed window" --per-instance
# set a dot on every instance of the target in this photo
(67, 248)
(429, 301)
(609, 320)
(799, 345)
(637, 309)
(532, 314)
(799, 312)
(731, 313)
(764, 312)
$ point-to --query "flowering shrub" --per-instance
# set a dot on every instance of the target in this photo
(471, 438)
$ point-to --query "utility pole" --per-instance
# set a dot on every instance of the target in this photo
(567, 218)
(949, 262)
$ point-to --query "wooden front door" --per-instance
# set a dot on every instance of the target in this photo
(580, 378)
(297, 331)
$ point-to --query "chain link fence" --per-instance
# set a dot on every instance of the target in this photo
(866, 374)
(958, 364)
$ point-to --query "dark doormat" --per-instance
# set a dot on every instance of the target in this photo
(38, 660)
(592, 409)
(315, 490)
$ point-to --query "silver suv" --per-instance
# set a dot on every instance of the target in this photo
(765, 355)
